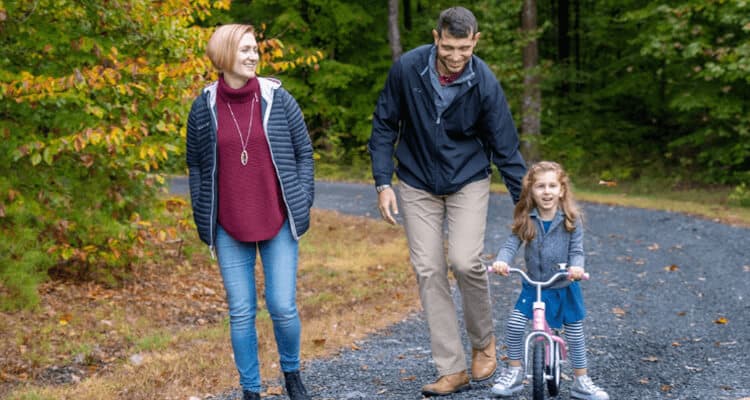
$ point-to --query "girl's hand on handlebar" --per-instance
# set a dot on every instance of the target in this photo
(500, 267)
(576, 273)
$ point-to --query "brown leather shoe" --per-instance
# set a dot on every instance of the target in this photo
(447, 384)
(483, 362)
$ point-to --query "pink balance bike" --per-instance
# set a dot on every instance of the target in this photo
(546, 346)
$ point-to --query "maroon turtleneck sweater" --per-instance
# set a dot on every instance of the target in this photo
(250, 203)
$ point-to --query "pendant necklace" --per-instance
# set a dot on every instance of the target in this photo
(243, 155)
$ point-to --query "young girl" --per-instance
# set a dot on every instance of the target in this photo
(547, 223)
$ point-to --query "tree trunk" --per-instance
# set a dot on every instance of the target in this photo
(563, 41)
(394, 36)
(532, 97)
(407, 15)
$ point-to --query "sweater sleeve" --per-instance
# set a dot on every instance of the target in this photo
(576, 257)
(509, 249)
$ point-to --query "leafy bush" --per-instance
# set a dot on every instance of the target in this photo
(93, 101)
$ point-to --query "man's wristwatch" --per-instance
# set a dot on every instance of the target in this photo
(380, 188)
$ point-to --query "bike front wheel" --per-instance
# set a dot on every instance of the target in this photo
(538, 371)
(553, 370)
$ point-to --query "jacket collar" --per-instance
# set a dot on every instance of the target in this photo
(424, 65)
(556, 220)
(466, 76)
(267, 86)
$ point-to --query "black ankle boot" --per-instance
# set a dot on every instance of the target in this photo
(294, 387)
(248, 395)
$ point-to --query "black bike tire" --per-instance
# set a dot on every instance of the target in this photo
(553, 385)
(538, 371)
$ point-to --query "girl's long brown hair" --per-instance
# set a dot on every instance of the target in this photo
(523, 226)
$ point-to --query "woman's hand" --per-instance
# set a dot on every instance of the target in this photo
(576, 273)
(500, 267)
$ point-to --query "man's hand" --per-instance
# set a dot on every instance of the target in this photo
(387, 205)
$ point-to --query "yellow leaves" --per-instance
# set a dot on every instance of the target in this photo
(65, 319)
(36, 158)
(721, 321)
(94, 110)
(222, 4)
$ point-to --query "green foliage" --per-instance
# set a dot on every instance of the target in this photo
(92, 99)
(704, 50)
(336, 94)
(741, 195)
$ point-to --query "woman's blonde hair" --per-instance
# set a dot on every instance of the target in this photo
(222, 46)
(523, 226)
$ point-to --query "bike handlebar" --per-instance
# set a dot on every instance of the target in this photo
(550, 281)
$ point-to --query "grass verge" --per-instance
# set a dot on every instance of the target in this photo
(164, 334)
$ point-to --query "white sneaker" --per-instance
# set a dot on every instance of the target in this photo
(584, 389)
(510, 381)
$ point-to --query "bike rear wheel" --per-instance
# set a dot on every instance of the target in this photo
(538, 371)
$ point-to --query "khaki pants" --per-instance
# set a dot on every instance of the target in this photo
(466, 214)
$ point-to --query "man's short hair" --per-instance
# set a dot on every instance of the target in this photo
(222, 46)
(457, 21)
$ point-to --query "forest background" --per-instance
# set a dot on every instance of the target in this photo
(649, 95)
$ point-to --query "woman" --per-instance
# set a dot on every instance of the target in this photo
(251, 188)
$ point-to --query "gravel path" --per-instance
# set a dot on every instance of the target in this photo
(668, 312)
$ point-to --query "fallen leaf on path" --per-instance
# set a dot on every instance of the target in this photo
(666, 388)
(681, 314)
(409, 378)
(721, 321)
(650, 359)
(65, 319)
(676, 344)
(644, 381)
(618, 311)
(274, 391)
(671, 268)
(653, 247)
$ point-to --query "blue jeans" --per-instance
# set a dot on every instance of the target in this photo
(237, 264)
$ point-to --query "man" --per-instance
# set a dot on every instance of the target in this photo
(448, 113)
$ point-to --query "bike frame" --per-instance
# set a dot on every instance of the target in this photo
(540, 330)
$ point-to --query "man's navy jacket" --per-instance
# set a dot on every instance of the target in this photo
(442, 153)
